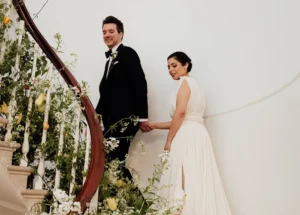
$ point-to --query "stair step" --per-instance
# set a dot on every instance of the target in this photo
(18, 175)
(33, 199)
(6, 152)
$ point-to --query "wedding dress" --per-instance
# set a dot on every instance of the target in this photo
(193, 170)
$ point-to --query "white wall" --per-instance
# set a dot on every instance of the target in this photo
(241, 50)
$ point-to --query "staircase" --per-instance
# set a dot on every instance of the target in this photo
(76, 151)
(17, 199)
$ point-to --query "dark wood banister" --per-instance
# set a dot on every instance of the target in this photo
(96, 167)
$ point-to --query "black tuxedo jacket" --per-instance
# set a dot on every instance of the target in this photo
(124, 92)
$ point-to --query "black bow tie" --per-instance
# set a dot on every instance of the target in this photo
(108, 53)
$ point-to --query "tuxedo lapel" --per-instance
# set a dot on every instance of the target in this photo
(111, 66)
(104, 76)
(106, 67)
(114, 61)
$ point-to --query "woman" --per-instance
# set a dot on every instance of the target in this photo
(193, 172)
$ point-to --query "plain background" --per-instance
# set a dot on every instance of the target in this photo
(241, 51)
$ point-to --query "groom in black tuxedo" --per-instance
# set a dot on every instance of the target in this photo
(123, 88)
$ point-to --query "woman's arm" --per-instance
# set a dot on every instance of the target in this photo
(160, 125)
(182, 100)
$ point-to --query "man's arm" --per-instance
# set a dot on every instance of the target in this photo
(138, 83)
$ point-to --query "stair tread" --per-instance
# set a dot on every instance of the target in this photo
(30, 192)
(19, 169)
(11, 145)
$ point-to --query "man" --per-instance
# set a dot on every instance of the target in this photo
(123, 89)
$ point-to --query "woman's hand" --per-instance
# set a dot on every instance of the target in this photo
(168, 146)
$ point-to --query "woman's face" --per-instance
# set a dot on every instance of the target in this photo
(176, 69)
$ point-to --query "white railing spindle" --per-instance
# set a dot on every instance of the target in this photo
(38, 184)
(25, 145)
(93, 206)
(76, 142)
(61, 142)
(87, 151)
(12, 103)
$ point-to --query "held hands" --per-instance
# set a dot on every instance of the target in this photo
(145, 126)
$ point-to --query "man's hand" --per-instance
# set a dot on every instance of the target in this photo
(144, 126)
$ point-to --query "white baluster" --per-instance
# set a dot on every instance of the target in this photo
(93, 206)
(87, 151)
(38, 181)
(12, 103)
(76, 142)
(25, 146)
(61, 141)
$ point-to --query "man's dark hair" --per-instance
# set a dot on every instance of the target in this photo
(114, 20)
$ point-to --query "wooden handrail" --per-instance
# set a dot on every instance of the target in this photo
(96, 167)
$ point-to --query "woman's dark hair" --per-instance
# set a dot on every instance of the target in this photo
(114, 20)
(183, 59)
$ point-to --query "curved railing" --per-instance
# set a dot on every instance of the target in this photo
(96, 167)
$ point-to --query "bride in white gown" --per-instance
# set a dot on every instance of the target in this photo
(193, 171)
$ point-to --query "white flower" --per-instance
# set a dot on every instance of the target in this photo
(76, 207)
(64, 203)
(60, 195)
(164, 156)
(111, 144)
(114, 54)
(135, 120)
(84, 89)
(76, 90)
(124, 126)
(58, 116)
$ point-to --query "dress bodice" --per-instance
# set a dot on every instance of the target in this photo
(196, 104)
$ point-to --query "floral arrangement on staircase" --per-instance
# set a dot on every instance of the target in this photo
(119, 195)
(46, 137)
(40, 112)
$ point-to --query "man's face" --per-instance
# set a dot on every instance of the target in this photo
(111, 36)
